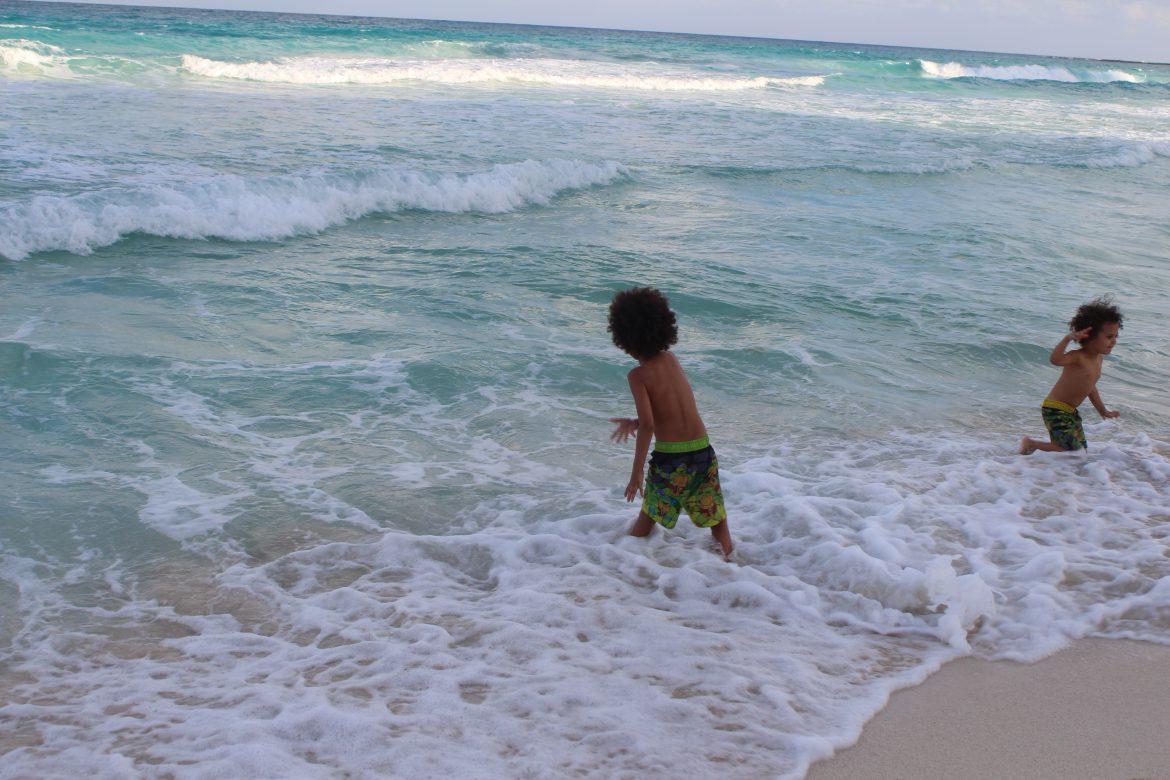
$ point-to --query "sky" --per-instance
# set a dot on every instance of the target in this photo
(1101, 29)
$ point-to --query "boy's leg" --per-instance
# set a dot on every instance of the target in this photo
(642, 526)
(723, 536)
(1065, 431)
(1029, 445)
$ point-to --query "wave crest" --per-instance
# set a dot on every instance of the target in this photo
(1131, 156)
(241, 209)
(955, 70)
(557, 73)
(19, 54)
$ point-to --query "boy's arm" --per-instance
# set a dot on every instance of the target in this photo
(624, 428)
(1061, 358)
(645, 434)
(1095, 399)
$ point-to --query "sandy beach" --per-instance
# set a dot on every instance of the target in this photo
(1099, 709)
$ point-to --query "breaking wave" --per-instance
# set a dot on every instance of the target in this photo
(22, 54)
(955, 70)
(1130, 156)
(547, 72)
(258, 209)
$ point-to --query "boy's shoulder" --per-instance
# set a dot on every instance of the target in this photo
(654, 366)
(1080, 353)
(659, 361)
(1082, 358)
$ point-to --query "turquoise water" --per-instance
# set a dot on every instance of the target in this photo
(304, 388)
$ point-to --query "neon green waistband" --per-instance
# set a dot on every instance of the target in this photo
(694, 445)
(1060, 405)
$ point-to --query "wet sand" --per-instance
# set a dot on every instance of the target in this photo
(1099, 710)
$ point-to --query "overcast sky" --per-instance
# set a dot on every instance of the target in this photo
(1105, 29)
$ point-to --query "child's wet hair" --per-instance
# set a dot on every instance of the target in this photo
(641, 322)
(1094, 314)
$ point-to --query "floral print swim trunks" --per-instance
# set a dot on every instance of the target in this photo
(1064, 425)
(684, 476)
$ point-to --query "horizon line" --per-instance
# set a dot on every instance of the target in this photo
(131, 4)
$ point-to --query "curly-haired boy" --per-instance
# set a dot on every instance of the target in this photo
(1095, 327)
(684, 473)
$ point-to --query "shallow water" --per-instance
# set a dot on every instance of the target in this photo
(304, 382)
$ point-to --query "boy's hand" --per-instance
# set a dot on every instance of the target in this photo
(1110, 414)
(626, 427)
(1080, 335)
(633, 489)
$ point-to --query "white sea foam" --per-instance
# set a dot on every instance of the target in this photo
(242, 209)
(439, 47)
(16, 55)
(23, 331)
(532, 645)
(556, 73)
(272, 454)
(1028, 72)
(1132, 155)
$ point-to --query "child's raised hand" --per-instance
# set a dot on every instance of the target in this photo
(626, 427)
(1080, 335)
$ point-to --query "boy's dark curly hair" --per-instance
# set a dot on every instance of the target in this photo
(1094, 314)
(642, 323)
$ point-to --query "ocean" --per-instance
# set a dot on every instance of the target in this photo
(305, 382)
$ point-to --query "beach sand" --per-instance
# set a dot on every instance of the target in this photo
(1099, 710)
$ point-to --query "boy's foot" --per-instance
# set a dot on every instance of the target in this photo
(720, 550)
(721, 535)
(1027, 446)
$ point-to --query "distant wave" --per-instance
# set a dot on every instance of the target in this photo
(1135, 155)
(440, 47)
(44, 60)
(955, 70)
(17, 53)
(242, 209)
(904, 167)
(561, 73)
(1088, 153)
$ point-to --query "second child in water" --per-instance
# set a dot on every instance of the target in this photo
(1094, 327)
(684, 473)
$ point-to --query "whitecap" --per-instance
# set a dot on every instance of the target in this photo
(530, 72)
(1025, 72)
(23, 54)
(268, 208)
(1131, 156)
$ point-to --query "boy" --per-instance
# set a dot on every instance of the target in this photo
(684, 473)
(1095, 327)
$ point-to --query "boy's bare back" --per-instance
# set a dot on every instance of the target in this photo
(684, 470)
(664, 397)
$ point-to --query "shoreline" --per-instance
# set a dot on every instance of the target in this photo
(1098, 709)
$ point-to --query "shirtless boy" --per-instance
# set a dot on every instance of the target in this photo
(1095, 327)
(684, 473)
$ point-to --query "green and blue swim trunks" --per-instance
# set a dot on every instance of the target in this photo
(684, 475)
(1064, 425)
